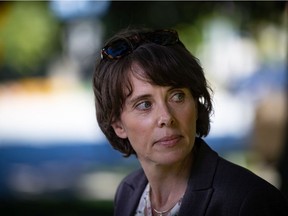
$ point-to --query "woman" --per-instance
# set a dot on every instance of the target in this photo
(153, 101)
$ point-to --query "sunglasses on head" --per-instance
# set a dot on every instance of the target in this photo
(122, 47)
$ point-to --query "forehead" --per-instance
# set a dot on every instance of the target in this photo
(141, 81)
(138, 83)
(136, 77)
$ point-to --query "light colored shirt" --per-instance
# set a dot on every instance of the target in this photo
(145, 209)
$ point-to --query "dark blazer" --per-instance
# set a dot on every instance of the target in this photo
(215, 187)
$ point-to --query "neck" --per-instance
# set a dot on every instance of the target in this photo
(164, 196)
(168, 182)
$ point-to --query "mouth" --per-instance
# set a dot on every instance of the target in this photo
(168, 141)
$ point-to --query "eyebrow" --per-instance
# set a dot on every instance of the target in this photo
(138, 98)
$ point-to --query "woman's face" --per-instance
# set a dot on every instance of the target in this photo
(160, 122)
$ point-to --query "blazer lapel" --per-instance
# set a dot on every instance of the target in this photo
(200, 190)
(197, 203)
(131, 193)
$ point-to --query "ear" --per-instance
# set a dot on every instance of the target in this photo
(119, 129)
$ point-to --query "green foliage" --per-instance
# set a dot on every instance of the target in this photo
(27, 35)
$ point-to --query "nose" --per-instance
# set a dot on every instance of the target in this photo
(165, 116)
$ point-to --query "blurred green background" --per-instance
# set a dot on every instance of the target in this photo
(54, 160)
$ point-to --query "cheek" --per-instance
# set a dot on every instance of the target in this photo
(139, 136)
(138, 127)
(189, 118)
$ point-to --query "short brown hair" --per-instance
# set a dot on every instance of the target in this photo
(170, 65)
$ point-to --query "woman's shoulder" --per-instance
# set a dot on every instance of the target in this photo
(237, 187)
(234, 174)
(228, 173)
(230, 176)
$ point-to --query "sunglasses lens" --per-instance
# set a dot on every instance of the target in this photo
(117, 49)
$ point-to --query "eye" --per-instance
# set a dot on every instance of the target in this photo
(178, 97)
(144, 105)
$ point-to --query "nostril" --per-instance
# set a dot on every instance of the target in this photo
(166, 121)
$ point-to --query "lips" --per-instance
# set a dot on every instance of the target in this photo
(168, 140)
